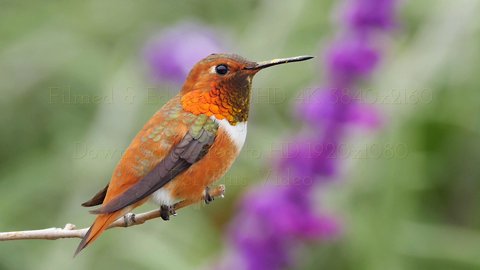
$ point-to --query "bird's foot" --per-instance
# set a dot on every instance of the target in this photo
(166, 211)
(208, 197)
(129, 219)
(218, 191)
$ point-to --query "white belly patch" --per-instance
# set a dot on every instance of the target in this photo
(237, 133)
(162, 197)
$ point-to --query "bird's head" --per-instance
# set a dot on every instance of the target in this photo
(220, 85)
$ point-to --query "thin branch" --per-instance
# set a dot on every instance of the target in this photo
(70, 231)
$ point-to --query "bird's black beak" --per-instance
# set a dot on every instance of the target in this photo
(274, 62)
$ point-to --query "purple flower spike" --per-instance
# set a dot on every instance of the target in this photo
(274, 220)
(172, 53)
(364, 115)
(307, 161)
(350, 60)
(322, 108)
(327, 227)
(371, 14)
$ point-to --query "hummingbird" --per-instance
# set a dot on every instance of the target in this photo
(186, 145)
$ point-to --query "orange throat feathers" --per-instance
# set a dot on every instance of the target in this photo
(222, 101)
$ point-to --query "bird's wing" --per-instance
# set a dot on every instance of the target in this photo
(180, 139)
(181, 157)
(97, 199)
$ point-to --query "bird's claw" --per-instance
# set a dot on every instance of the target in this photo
(208, 197)
(166, 211)
(129, 219)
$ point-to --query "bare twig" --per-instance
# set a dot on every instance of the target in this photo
(70, 231)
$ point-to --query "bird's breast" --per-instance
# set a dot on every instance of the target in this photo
(236, 133)
(220, 157)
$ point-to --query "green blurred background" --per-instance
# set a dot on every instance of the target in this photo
(407, 193)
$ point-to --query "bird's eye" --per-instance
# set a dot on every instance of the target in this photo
(221, 69)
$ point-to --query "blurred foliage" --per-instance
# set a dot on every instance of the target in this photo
(408, 193)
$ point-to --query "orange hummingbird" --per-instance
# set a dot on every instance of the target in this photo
(187, 145)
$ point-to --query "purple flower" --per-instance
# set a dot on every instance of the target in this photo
(171, 54)
(365, 115)
(321, 108)
(275, 219)
(363, 15)
(351, 59)
(307, 161)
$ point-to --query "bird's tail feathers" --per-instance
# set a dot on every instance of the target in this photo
(98, 227)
